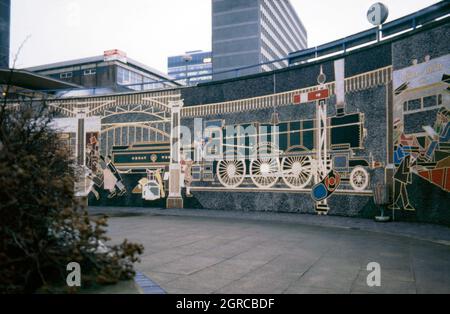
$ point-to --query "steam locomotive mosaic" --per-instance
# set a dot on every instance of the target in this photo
(285, 153)
(263, 155)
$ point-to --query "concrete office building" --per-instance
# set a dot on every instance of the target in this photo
(250, 32)
(111, 72)
(5, 21)
(196, 65)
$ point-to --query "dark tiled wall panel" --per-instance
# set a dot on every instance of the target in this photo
(264, 84)
(368, 60)
(434, 42)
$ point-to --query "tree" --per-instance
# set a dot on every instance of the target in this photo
(43, 227)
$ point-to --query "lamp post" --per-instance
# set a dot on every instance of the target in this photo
(187, 58)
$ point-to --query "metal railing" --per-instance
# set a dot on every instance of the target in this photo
(396, 27)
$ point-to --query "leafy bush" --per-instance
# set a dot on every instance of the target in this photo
(42, 225)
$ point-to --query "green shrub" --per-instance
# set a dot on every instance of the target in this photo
(42, 226)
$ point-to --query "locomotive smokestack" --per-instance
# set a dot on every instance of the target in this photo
(339, 74)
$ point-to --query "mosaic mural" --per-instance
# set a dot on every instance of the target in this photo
(127, 154)
(291, 141)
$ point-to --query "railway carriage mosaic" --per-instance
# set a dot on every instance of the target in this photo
(421, 130)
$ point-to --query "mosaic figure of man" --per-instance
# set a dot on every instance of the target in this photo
(402, 178)
(187, 170)
(112, 179)
(442, 125)
(92, 153)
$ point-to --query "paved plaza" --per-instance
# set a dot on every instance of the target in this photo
(219, 254)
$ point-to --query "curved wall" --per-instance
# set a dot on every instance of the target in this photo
(384, 85)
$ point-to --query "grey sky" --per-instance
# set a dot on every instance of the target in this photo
(151, 30)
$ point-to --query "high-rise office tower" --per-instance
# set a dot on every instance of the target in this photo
(250, 32)
(195, 65)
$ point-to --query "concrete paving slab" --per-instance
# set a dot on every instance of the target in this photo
(161, 278)
(298, 289)
(207, 283)
(328, 277)
(257, 284)
(188, 265)
(429, 232)
(387, 287)
(226, 255)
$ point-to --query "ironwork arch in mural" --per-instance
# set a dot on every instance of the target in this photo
(111, 135)
(134, 111)
(154, 103)
(127, 134)
(142, 121)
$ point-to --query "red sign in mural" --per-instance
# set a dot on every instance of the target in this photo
(311, 96)
(318, 95)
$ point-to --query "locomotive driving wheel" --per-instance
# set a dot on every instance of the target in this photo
(264, 171)
(359, 178)
(265, 166)
(231, 173)
(297, 171)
